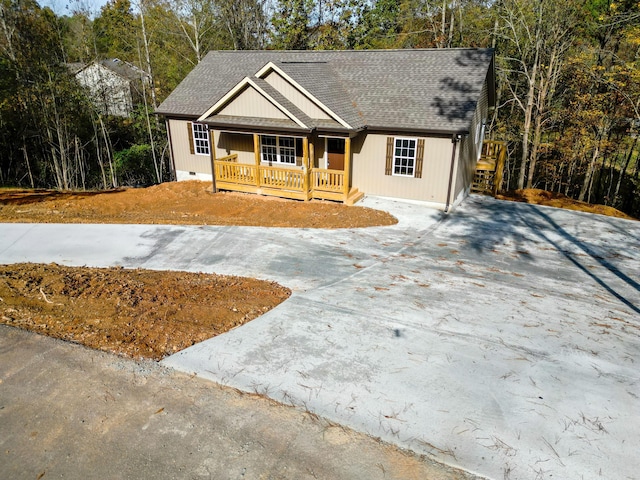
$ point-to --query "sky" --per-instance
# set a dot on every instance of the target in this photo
(66, 7)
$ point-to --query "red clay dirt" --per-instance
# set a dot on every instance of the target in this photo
(558, 200)
(181, 203)
(135, 313)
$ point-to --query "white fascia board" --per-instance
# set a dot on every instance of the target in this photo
(223, 101)
(246, 81)
(272, 66)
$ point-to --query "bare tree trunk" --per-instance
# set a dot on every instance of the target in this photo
(57, 169)
(154, 101)
(150, 131)
(451, 25)
(572, 168)
(588, 178)
(26, 160)
(444, 24)
(526, 128)
(109, 148)
(545, 83)
(96, 141)
(623, 172)
(495, 33)
(537, 133)
(80, 162)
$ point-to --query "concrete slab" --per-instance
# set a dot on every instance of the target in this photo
(70, 412)
(502, 338)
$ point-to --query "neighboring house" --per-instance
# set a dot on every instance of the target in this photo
(334, 124)
(115, 86)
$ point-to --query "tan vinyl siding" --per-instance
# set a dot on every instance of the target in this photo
(183, 158)
(468, 148)
(296, 97)
(318, 153)
(250, 103)
(369, 158)
(235, 143)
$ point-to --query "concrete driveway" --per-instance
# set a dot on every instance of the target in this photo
(503, 339)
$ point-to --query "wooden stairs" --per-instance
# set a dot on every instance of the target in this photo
(488, 176)
(354, 196)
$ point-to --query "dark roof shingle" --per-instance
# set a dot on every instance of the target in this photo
(422, 89)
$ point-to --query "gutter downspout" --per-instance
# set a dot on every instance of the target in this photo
(454, 140)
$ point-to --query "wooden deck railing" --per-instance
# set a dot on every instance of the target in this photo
(285, 182)
(232, 172)
(488, 177)
(229, 171)
(492, 150)
(282, 178)
(327, 180)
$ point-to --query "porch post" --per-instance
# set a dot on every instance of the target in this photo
(305, 162)
(256, 152)
(347, 166)
(212, 154)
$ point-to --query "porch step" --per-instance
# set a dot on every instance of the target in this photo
(488, 176)
(354, 197)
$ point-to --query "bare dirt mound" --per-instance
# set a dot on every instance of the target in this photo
(136, 313)
(181, 203)
(558, 200)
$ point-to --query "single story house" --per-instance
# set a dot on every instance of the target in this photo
(115, 86)
(334, 124)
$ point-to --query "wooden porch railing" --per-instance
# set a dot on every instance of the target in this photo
(284, 182)
(327, 180)
(243, 177)
(282, 178)
(488, 177)
(228, 170)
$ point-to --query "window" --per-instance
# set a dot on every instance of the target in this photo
(200, 139)
(277, 149)
(269, 149)
(404, 157)
(287, 150)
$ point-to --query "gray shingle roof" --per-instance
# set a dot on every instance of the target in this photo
(283, 101)
(320, 79)
(124, 69)
(422, 89)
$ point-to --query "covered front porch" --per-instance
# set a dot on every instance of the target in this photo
(302, 177)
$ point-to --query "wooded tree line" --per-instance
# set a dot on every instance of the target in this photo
(568, 80)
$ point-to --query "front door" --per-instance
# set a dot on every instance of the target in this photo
(335, 153)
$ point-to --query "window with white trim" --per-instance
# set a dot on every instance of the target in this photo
(404, 157)
(200, 139)
(269, 148)
(276, 149)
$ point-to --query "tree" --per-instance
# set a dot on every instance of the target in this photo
(535, 37)
(115, 31)
(246, 23)
(292, 25)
